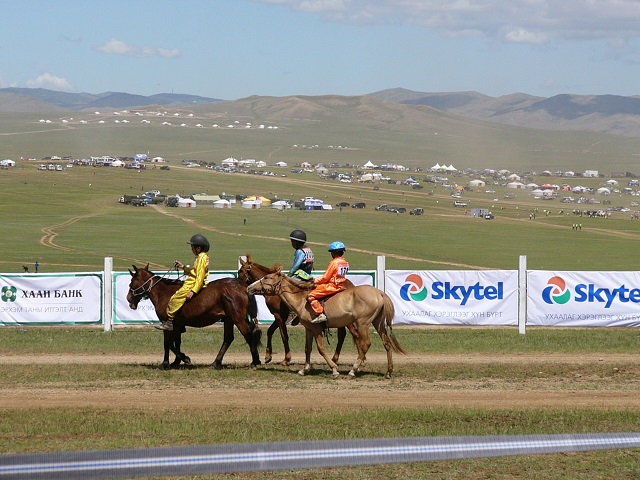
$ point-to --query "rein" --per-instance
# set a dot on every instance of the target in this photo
(142, 291)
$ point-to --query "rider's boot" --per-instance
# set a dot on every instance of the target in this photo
(320, 318)
(166, 325)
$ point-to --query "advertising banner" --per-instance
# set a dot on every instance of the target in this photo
(583, 299)
(51, 299)
(454, 297)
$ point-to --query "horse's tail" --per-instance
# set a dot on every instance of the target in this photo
(388, 312)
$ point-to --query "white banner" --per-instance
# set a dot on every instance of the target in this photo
(454, 297)
(583, 299)
(51, 299)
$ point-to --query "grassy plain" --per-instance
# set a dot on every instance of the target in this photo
(71, 220)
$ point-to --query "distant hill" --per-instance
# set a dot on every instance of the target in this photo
(43, 100)
(599, 113)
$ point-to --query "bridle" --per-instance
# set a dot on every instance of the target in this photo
(142, 290)
(271, 289)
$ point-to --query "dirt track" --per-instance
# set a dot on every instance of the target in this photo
(287, 388)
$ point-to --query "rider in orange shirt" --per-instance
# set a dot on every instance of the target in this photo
(333, 280)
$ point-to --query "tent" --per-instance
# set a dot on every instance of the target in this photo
(369, 164)
(603, 191)
(515, 185)
(186, 203)
(281, 205)
(251, 204)
(8, 163)
(260, 199)
(222, 204)
(476, 183)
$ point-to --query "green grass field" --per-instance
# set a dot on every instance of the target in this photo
(71, 220)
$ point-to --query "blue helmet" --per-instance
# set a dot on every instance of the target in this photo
(337, 245)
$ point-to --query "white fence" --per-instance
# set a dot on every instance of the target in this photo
(423, 297)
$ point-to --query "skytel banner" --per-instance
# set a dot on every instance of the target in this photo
(454, 297)
(583, 299)
(47, 299)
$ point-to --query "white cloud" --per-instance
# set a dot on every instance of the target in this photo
(118, 47)
(46, 80)
(524, 21)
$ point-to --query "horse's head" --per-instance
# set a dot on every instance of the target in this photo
(139, 286)
(244, 273)
(250, 271)
(270, 284)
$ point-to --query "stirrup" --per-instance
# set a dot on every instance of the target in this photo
(166, 326)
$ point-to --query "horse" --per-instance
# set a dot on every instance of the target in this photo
(251, 271)
(224, 299)
(363, 306)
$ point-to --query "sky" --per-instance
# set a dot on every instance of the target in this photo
(231, 49)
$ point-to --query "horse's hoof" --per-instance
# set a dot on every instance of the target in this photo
(302, 373)
(267, 360)
(352, 374)
(186, 360)
(164, 366)
(216, 366)
(336, 374)
(285, 363)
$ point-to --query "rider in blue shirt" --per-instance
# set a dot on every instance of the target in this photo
(303, 258)
(302, 263)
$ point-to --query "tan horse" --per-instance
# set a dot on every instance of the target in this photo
(363, 305)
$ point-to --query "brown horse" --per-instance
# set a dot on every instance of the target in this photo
(251, 271)
(225, 299)
(362, 305)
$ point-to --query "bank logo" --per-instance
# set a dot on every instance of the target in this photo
(413, 289)
(9, 294)
(556, 291)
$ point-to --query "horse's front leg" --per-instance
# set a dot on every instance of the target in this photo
(227, 341)
(284, 334)
(180, 357)
(320, 344)
(269, 350)
(168, 345)
(308, 346)
(342, 333)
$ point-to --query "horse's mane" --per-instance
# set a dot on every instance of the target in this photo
(276, 266)
(301, 284)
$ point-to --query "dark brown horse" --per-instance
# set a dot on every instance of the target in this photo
(225, 299)
(251, 271)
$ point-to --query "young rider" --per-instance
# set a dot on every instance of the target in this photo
(333, 280)
(303, 258)
(195, 281)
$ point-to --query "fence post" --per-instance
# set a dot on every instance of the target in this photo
(380, 268)
(522, 295)
(107, 300)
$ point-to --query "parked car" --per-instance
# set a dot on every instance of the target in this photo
(489, 216)
(359, 205)
(397, 210)
(459, 203)
(342, 204)
(384, 206)
(417, 211)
